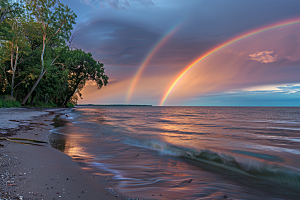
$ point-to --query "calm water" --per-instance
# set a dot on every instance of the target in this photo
(188, 152)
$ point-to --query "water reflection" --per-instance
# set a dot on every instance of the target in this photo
(119, 142)
(57, 141)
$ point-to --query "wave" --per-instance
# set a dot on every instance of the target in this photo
(251, 168)
(259, 170)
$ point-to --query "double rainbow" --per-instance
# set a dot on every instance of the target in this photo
(277, 25)
(150, 55)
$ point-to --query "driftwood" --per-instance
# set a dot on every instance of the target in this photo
(24, 141)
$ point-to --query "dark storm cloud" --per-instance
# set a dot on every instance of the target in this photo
(228, 18)
(126, 37)
(121, 33)
(115, 42)
(117, 4)
(124, 44)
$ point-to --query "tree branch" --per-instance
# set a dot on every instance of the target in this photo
(57, 30)
(32, 54)
(2, 18)
(21, 81)
(59, 64)
(5, 76)
(54, 59)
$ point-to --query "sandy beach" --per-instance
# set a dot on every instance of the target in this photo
(39, 171)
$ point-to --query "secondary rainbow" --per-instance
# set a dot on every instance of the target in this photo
(289, 22)
(146, 61)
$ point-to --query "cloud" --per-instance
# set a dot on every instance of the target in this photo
(122, 40)
(292, 58)
(285, 95)
(117, 4)
(264, 57)
(291, 89)
(119, 43)
(283, 88)
(116, 42)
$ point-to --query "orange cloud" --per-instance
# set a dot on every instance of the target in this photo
(264, 57)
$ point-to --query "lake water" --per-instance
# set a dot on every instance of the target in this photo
(188, 152)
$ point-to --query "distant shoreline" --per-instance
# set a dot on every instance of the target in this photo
(110, 105)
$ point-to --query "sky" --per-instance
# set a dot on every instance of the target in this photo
(150, 50)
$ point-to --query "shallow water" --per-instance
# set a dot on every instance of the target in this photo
(188, 152)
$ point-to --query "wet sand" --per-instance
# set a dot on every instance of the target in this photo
(40, 171)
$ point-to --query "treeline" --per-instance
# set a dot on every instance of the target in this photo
(38, 66)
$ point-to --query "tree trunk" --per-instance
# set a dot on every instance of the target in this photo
(32, 97)
(12, 67)
(70, 95)
(14, 73)
(32, 89)
(42, 72)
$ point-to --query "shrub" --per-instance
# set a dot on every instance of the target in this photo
(50, 104)
(70, 105)
(9, 103)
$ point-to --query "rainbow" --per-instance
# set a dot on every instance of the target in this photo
(235, 39)
(152, 52)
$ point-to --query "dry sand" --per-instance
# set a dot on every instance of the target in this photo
(42, 172)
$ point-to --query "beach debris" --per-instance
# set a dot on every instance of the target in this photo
(10, 183)
(38, 123)
(24, 141)
(12, 120)
(110, 190)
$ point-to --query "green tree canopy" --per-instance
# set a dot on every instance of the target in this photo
(8, 8)
(55, 21)
(82, 67)
(36, 64)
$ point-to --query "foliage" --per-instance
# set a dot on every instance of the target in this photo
(70, 105)
(81, 67)
(36, 65)
(55, 21)
(8, 9)
(9, 103)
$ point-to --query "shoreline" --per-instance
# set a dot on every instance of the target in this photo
(39, 171)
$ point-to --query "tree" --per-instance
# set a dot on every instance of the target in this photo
(9, 11)
(17, 43)
(82, 67)
(35, 61)
(55, 21)
(7, 8)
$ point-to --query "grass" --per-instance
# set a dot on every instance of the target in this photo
(9, 103)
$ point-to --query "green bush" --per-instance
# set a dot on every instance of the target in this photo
(50, 104)
(70, 105)
(9, 103)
